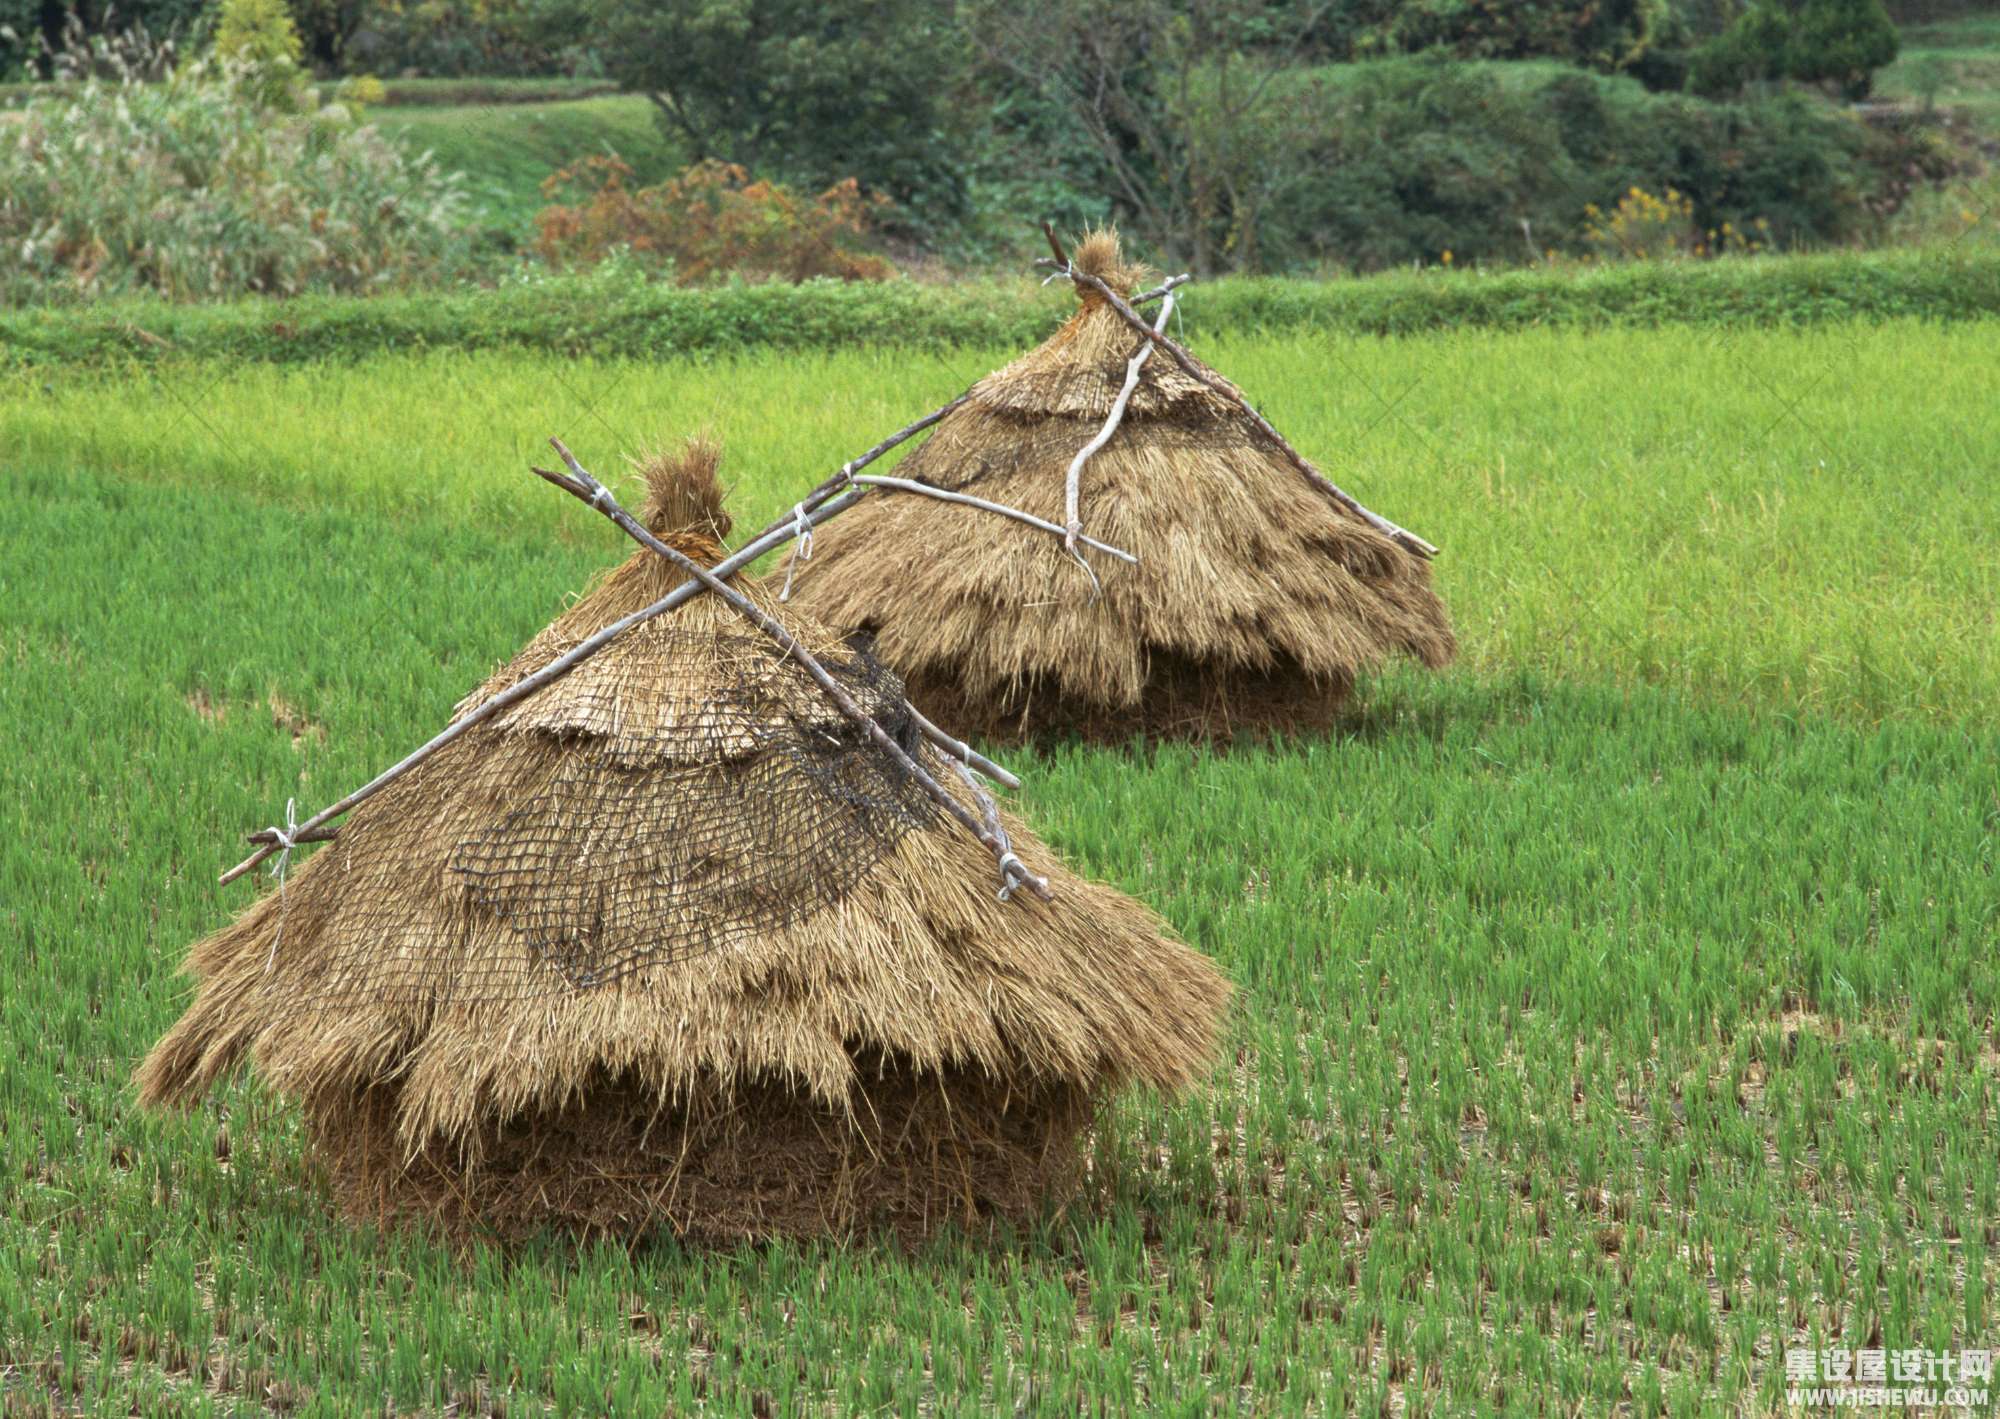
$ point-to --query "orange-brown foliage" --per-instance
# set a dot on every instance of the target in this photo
(710, 221)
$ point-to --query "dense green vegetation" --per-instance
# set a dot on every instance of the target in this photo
(1955, 64)
(1620, 1007)
(228, 177)
(396, 92)
(1253, 136)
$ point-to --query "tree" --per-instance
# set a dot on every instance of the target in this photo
(258, 32)
(813, 91)
(1841, 42)
(1193, 106)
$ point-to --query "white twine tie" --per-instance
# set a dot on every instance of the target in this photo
(1013, 872)
(802, 529)
(1010, 879)
(285, 846)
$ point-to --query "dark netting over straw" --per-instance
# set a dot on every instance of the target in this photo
(618, 828)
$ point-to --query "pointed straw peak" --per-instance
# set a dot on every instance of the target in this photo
(684, 501)
(1099, 255)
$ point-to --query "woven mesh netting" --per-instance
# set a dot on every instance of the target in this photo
(621, 827)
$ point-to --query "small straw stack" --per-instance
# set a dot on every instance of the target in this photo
(1256, 598)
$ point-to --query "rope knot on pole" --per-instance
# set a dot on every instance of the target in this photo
(802, 530)
(285, 839)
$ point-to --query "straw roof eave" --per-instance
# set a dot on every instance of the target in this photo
(921, 961)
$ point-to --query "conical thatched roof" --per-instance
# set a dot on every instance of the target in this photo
(1256, 601)
(669, 943)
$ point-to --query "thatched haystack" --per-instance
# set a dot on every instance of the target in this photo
(1257, 599)
(669, 945)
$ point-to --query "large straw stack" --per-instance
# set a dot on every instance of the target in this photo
(1257, 599)
(670, 945)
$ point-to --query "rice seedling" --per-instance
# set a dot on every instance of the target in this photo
(1619, 1009)
(1780, 518)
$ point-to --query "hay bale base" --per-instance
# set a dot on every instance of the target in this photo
(766, 1162)
(1182, 700)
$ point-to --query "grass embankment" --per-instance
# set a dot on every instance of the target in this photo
(507, 148)
(1957, 61)
(628, 318)
(1620, 1008)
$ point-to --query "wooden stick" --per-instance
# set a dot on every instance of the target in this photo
(1164, 288)
(910, 485)
(839, 480)
(816, 506)
(1172, 283)
(315, 828)
(1131, 317)
(989, 813)
(1073, 481)
(960, 750)
(581, 485)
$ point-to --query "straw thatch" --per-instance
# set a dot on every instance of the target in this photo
(665, 946)
(1256, 602)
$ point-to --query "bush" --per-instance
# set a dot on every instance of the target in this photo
(460, 39)
(257, 32)
(1604, 34)
(198, 187)
(810, 91)
(710, 221)
(1414, 157)
(1842, 42)
(1645, 227)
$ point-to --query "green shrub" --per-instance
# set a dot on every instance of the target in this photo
(811, 92)
(257, 32)
(1414, 157)
(1842, 42)
(1605, 34)
(1838, 41)
(198, 187)
(462, 39)
(20, 26)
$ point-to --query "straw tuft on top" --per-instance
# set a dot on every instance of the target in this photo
(684, 493)
(1099, 255)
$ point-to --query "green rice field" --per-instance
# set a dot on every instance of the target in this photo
(1619, 1009)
